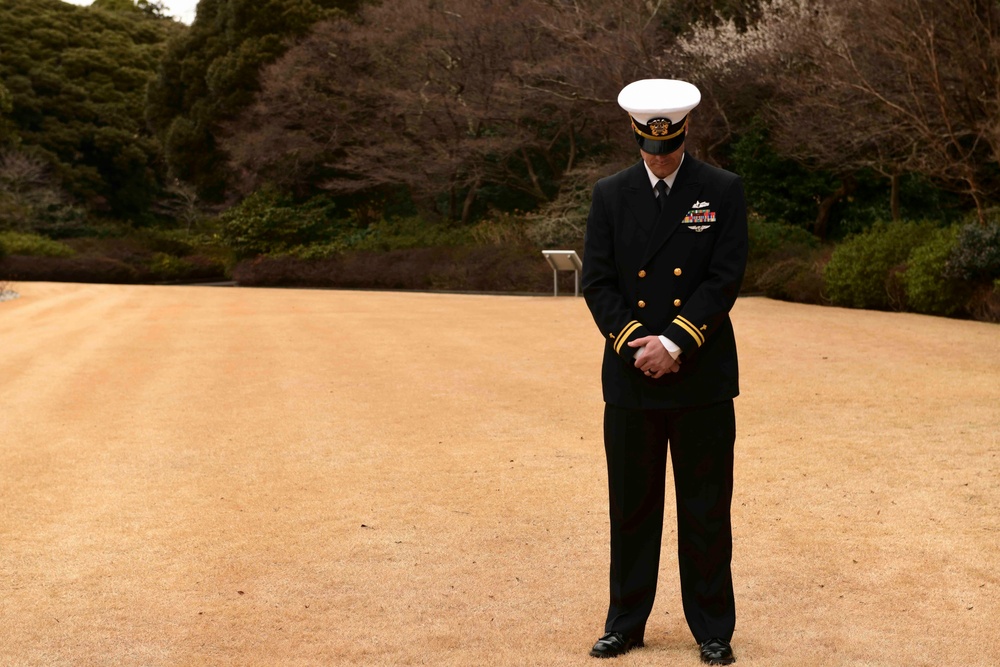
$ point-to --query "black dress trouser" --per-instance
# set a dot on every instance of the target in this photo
(701, 441)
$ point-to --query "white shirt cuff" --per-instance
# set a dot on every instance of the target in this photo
(671, 347)
(667, 343)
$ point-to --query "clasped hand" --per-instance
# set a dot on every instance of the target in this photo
(654, 361)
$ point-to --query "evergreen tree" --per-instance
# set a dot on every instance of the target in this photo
(210, 73)
(76, 78)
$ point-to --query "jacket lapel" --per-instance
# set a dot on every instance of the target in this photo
(639, 199)
(685, 192)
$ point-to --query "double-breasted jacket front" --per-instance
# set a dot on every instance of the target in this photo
(674, 272)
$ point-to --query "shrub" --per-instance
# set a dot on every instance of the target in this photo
(976, 253)
(127, 249)
(388, 234)
(796, 279)
(859, 270)
(167, 268)
(405, 233)
(984, 304)
(460, 268)
(772, 243)
(270, 222)
(32, 245)
(77, 269)
(171, 242)
(502, 229)
(927, 289)
(316, 251)
(771, 239)
(132, 258)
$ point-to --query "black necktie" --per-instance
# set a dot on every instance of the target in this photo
(661, 187)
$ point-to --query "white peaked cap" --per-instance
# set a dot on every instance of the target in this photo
(648, 99)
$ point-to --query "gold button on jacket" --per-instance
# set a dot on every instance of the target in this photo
(642, 304)
(677, 271)
(677, 302)
(642, 274)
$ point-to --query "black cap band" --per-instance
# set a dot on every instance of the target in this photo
(660, 136)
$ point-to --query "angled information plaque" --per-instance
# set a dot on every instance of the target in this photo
(564, 260)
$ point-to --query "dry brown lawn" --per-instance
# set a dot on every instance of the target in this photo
(209, 476)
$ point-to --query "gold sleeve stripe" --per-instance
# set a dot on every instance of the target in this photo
(626, 327)
(626, 332)
(692, 332)
(686, 321)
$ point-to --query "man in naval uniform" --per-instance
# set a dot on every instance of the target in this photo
(665, 253)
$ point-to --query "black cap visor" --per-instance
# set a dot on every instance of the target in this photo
(660, 146)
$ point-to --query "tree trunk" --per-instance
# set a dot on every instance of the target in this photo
(894, 197)
(470, 198)
(572, 149)
(821, 228)
(452, 201)
(977, 197)
(539, 193)
(980, 209)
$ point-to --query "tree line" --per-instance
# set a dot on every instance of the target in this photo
(472, 106)
(838, 114)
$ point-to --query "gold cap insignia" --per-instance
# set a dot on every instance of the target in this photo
(659, 127)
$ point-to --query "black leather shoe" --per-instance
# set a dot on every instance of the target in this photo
(717, 652)
(613, 645)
